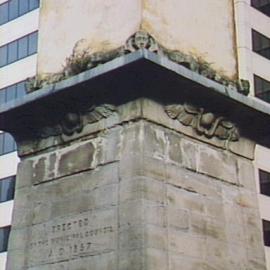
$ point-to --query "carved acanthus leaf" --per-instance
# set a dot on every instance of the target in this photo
(204, 123)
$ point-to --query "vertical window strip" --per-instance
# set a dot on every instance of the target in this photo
(7, 144)
(7, 188)
(13, 91)
(13, 9)
(4, 237)
(18, 49)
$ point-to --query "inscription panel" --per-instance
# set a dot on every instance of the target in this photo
(82, 235)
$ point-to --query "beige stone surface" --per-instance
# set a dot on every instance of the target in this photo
(193, 27)
(139, 195)
(100, 25)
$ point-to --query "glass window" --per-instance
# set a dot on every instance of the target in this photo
(260, 44)
(12, 52)
(13, 10)
(22, 47)
(262, 5)
(4, 236)
(23, 6)
(264, 178)
(32, 43)
(2, 96)
(7, 188)
(266, 232)
(11, 93)
(21, 89)
(33, 4)
(18, 49)
(1, 143)
(4, 13)
(262, 88)
(9, 144)
(3, 56)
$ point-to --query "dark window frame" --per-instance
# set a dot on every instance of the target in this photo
(257, 41)
(264, 8)
(264, 180)
(10, 182)
(3, 138)
(7, 5)
(261, 88)
(16, 42)
(266, 232)
(17, 95)
(4, 244)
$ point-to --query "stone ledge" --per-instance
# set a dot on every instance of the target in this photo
(128, 78)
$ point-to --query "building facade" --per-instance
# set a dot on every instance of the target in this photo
(247, 50)
(253, 46)
(18, 53)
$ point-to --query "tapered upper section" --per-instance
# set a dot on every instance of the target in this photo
(203, 29)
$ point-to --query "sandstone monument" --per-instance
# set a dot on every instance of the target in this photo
(135, 157)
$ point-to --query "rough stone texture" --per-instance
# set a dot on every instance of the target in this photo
(138, 195)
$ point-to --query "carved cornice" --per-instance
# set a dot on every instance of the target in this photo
(74, 122)
(84, 60)
(204, 123)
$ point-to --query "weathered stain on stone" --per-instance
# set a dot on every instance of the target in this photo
(39, 169)
(76, 160)
(51, 167)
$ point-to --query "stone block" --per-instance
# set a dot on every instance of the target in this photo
(100, 198)
(71, 237)
(246, 174)
(217, 164)
(156, 259)
(75, 159)
(131, 259)
(192, 181)
(18, 261)
(131, 237)
(190, 151)
(143, 188)
(110, 148)
(155, 213)
(155, 237)
(69, 160)
(23, 205)
(182, 199)
(18, 239)
(130, 213)
(186, 244)
(155, 141)
(24, 174)
(106, 261)
(178, 219)
(243, 147)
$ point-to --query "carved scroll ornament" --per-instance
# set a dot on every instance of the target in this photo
(73, 122)
(204, 123)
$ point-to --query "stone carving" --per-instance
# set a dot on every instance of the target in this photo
(73, 122)
(204, 123)
(141, 40)
(96, 113)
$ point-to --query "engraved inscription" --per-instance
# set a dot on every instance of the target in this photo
(81, 236)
